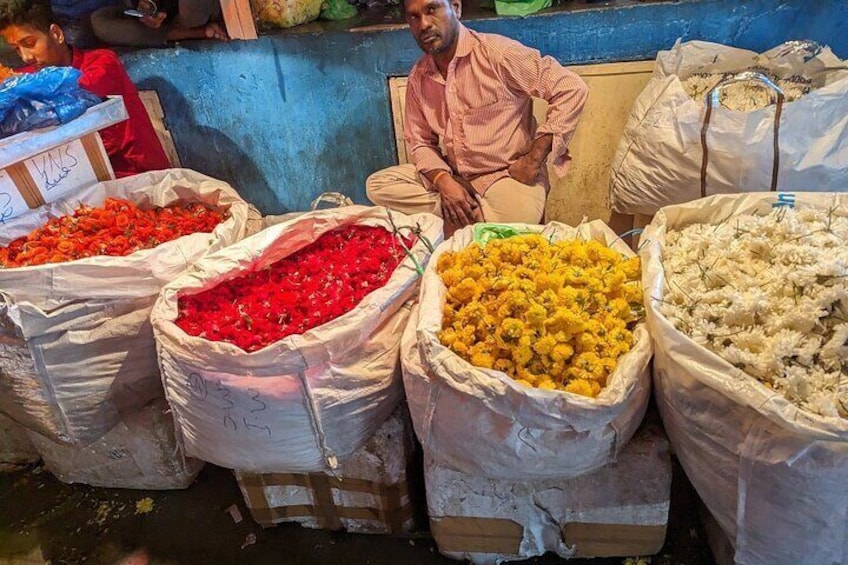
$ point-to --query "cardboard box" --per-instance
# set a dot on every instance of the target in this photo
(618, 510)
(368, 493)
(45, 165)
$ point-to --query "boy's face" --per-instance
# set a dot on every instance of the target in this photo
(36, 47)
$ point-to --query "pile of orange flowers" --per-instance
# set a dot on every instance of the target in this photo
(117, 228)
(6, 72)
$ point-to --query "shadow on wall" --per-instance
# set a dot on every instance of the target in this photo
(209, 151)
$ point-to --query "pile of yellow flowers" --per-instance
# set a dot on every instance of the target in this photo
(550, 315)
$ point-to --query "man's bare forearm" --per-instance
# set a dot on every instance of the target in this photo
(541, 148)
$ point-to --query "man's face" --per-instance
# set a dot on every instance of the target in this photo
(434, 23)
(36, 47)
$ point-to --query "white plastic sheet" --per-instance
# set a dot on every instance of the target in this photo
(76, 346)
(771, 474)
(15, 447)
(140, 452)
(482, 423)
(658, 160)
(308, 400)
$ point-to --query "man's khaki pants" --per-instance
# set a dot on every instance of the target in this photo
(506, 201)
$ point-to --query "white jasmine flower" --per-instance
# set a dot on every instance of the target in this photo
(769, 294)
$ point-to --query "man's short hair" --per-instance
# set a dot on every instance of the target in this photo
(33, 13)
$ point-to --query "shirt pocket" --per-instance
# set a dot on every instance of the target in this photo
(483, 115)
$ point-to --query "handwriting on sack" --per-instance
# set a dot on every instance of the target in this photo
(6, 209)
(54, 166)
(240, 409)
(784, 199)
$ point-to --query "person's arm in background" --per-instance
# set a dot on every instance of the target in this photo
(525, 70)
(102, 74)
(458, 204)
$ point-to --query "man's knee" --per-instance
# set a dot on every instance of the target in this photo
(375, 187)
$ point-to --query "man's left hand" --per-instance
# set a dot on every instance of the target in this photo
(154, 22)
(525, 170)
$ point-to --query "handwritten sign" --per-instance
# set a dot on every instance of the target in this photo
(11, 202)
(61, 170)
(241, 410)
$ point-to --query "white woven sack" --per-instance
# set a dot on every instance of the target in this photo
(771, 474)
(660, 156)
(308, 400)
(482, 423)
(76, 347)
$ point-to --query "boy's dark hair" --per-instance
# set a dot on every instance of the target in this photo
(33, 13)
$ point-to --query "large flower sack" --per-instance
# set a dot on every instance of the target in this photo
(77, 281)
(280, 353)
(661, 159)
(746, 300)
(526, 361)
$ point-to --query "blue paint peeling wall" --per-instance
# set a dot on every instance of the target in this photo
(289, 116)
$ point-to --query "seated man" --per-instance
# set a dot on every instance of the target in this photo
(30, 28)
(161, 21)
(473, 92)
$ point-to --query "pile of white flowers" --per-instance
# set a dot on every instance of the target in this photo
(745, 96)
(769, 294)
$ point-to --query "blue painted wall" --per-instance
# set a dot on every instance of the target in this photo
(289, 116)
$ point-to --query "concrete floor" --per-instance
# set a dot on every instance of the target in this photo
(45, 521)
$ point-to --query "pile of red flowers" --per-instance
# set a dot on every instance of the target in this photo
(306, 289)
(117, 228)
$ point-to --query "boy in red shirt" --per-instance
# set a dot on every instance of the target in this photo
(31, 29)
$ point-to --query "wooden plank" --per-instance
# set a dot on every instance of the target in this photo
(248, 23)
(238, 18)
(613, 540)
(97, 156)
(459, 534)
(397, 92)
(150, 99)
(25, 185)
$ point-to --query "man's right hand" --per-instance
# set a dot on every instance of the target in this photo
(458, 203)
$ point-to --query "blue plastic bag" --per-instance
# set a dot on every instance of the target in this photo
(50, 97)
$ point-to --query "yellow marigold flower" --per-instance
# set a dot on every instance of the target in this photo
(524, 374)
(446, 261)
(475, 272)
(481, 359)
(620, 307)
(460, 348)
(632, 292)
(511, 329)
(447, 336)
(613, 280)
(448, 315)
(581, 387)
(522, 354)
(536, 315)
(505, 365)
(547, 384)
(545, 345)
(464, 291)
(565, 320)
(562, 352)
(451, 277)
(632, 268)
